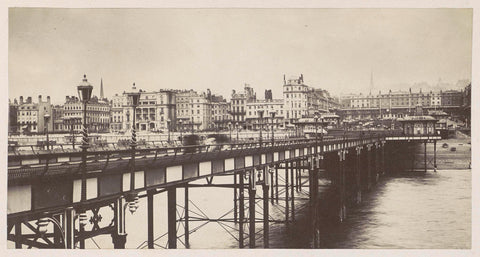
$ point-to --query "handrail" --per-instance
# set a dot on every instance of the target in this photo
(186, 149)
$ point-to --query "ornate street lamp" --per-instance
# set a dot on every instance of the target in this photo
(132, 197)
(168, 128)
(180, 128)
(236, 127)
(273, 133)
(46, 118)
(260, 120)
(230, 129)
(84, 93)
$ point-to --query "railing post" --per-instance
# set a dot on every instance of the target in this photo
(69, 227)
(119, 237)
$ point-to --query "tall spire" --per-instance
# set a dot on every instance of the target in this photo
(101, 88)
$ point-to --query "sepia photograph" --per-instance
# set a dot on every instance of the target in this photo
(238, 128)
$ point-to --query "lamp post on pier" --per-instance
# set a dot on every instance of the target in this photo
(46, 118)
(260, 120)
(230, 130)
(134, 97)
(168, 128)
(84, 93)
(180, 128)
(132, 197)
(236, 127)
(272, 114)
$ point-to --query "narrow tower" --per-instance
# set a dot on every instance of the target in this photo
(101, 88)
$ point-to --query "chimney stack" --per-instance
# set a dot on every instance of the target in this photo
(21, 99)
(39, 98)
(29, 100)
(48, 99)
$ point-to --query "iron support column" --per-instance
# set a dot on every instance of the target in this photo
(276, 183)
(266, 243)
(382, 167)
(425, 156)
(150, 219)
(271, 186)
(341, 184)
(292, 190)
(187, 216)
(287, 210)
(241, 202)
(172, 217)
(369, 167)
(377, 162)
(235, 205)
(313, 191)
(251, 209)
(435, 155)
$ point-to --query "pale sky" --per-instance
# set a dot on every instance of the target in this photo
(221, 49)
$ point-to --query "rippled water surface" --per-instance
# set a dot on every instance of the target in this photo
(409, 210)
(413, 210)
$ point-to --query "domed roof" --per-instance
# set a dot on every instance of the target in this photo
(85, 81)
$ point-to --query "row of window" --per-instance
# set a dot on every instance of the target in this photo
(89, 108)
(255, 113)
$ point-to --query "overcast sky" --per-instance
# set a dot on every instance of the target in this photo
(221, 49)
